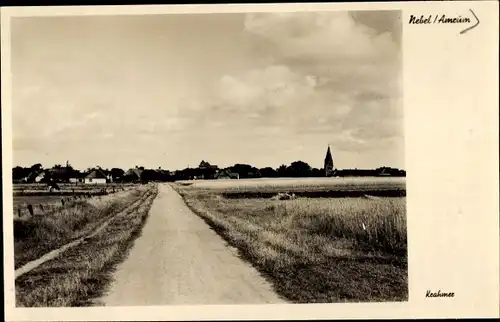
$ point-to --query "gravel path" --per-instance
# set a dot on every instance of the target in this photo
(178, 259)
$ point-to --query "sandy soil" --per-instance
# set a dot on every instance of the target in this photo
(178, 259)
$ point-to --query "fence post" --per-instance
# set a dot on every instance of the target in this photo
(41, 207)
(30, 209)
(19, 213)
(62, 201)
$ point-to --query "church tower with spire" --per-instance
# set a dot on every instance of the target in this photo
(328, 163)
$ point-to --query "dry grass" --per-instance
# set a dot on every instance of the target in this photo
(375, 225)
(37, 235)
(66, 186)
(316, 250)
(297, 184)
(82, 274)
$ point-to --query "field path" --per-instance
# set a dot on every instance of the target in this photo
(178, 259)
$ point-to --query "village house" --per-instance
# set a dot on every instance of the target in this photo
(206, 170)
(133, 175)
(226, 174)
(39, 177)
(76, 180)
(96, 177)
(205, 165)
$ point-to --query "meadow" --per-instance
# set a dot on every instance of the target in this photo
(274, 184)
(40, 189)
(24, 200)
(316, 249)
(42, 200)
(82, 272)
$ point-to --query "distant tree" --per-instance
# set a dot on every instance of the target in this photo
(116, 173)
(282, 171)
(74, 173)
(268, 172)
(150, 175)
(19, 173)
(245, 170)
(36, 167)
(317, 172)
(299, 169)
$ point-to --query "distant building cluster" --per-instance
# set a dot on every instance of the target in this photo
(331, 171)
(205, 170)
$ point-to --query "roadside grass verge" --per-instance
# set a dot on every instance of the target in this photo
(320, 250)
(37, 235)
(82, 274)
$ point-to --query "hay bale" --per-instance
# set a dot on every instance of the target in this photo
(284, 196)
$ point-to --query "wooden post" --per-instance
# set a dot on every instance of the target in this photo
(30, 209)
(41, 207)
(62, 201)
(19, 213)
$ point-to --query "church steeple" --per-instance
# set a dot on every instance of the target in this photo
(328, 163)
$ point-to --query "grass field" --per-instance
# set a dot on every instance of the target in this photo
(37, 194)
(299, 184)
(63, 186)
(82, 272)
(35, 200)
(66, 189)
(313, 249)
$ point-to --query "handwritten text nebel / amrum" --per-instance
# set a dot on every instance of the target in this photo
(431, 19)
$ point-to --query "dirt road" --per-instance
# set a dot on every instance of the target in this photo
(178, 259)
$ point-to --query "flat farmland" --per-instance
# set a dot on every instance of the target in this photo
(65, 186)
(38, 196)
(21, 200)
(37, 189)
(312, 187)
(315, 249)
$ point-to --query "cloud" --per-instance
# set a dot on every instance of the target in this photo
(259, 90)
(327, 74)
(322, 36)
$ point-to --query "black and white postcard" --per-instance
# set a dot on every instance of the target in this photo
(288, 161)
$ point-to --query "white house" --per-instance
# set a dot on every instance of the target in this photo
(226, 174)
(40, 177)
(76, 180)
(95, 177)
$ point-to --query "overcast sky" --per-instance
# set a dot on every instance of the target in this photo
(171, 90)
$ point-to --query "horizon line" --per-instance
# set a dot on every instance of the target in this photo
(63, 165)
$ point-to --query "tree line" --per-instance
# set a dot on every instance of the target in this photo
(203, 171)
